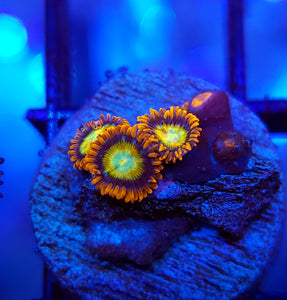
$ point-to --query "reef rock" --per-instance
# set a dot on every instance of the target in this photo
(227, 202)
(69, 217)
(135, 240)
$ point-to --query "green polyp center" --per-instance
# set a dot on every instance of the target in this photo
(123, 161)
(92, 136)
(172, 136)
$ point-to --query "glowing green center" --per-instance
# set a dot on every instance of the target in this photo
(92, 136)
(123, 161)
(172, 136)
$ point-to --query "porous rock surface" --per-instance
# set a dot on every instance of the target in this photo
(202, 264)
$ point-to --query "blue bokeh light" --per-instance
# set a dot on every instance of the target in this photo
(37, 74)
(13, 36)
(156, 28)
(156, 19)
(279, 88)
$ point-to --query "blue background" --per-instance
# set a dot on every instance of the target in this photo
(187, 36)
